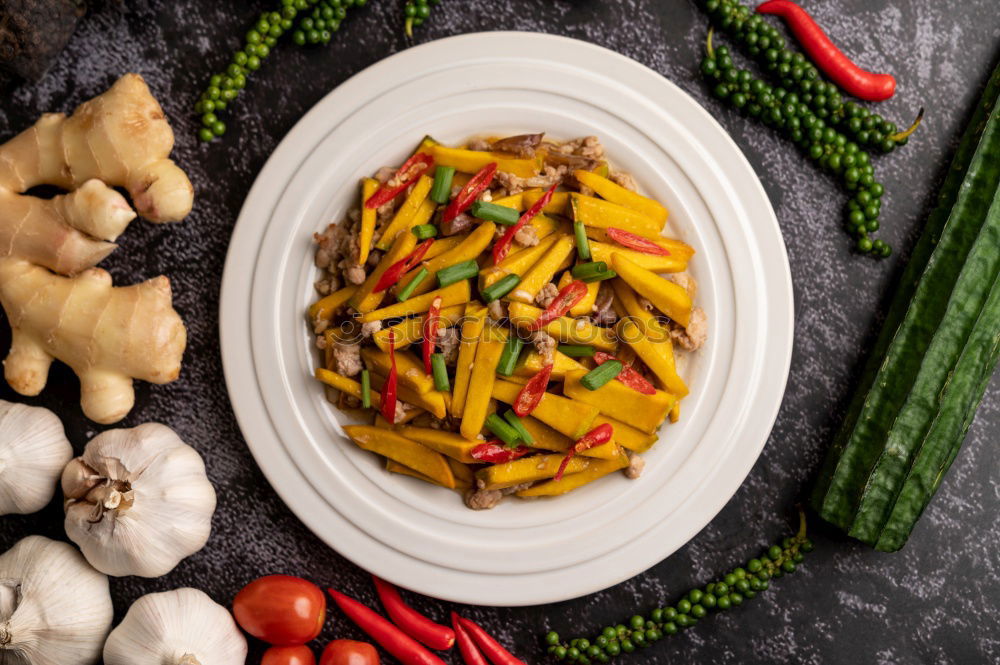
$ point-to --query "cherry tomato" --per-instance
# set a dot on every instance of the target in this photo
(281, 610)
(349, 652)
(300, 655)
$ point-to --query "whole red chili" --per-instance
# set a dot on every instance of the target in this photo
(410, 621)
(396, 271)
(389, 388)
(430, 332)
(411, 169)
(470, 653)
(532, 392)
(493, 649)
(628, 376)
(595, 437)
(636, 242)
(841, 70)
(495, 452)
(468, 194)
(564, 301)
(390, 638)
(502, 246)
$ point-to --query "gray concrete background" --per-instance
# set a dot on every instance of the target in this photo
(934, 602)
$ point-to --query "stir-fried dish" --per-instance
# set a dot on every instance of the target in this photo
(506, 315)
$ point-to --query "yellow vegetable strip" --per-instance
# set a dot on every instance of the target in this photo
(471, 161)
(410, 330)
(572, 481)
(676, 247)
(404, 216)
(558, 205)
(657, 351)
(567, 416)
(432, 401)
(615, 193)
(517, 262)
(464, 476)
(615, 399)
(470, 248)
(452, 444)
(442, 245)
(345, 385)
(531, 363)
(625, 435)
(481, 381)
(368, 217)
(547, 438)
(526, 470)
(363, 299)
(453, 294)
(671, 299)
(515, 201)
(411, 454)
(324, 308)
(392, 466)
(472, 330)
(676, 262)
(409, 368)
(586, 305)
(604, 214)
(541, 273)
(565, 329)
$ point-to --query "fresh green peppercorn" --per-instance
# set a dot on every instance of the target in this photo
(205, 134)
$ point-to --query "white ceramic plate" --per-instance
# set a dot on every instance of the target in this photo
(422, 537)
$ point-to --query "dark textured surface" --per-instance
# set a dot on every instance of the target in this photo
(934, 602)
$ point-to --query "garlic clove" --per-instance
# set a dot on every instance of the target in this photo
(33, 451)
(147, 506)
(54, 608)
(179, 627)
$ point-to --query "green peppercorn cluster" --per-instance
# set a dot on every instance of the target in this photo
(730, 590)
(416, 12)
(314, 27)
(812, 112)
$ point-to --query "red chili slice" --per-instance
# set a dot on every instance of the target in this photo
(564, 301)
(595, 437)
(502, 246)
(495, 452)
(411, 169)
(628, 376)
(430, 332)
(638, 243)
(389, 389)
(396, 271)
(468, 195)
(532, 392)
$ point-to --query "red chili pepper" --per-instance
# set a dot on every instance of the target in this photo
(396, 271)
(532, 392)
(495, 452)
(628, 376)
(410, 621)
(430, 332)
(854, 80)
(564, 301)
(493, 650)
(470, 653)
(389, 388)
(468, 194)
(411, 169)
(595, 437)
(502, 246)
(390, 638)
(638, 243)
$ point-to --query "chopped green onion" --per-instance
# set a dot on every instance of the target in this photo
(584, 270)
(500, 288)
(440, 373)
(582, 244)
(504, 432)
(408, 289)
(576, 350)
(601, 374)
(511, 352)
(458, 272)
(518, 425)
(607, 274)
(441, 190)
(366, 389)
(491, 212)
(424, 231)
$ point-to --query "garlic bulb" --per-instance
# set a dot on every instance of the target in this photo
(179, 627)
(138, 501)
(54, 608)
(33, 451)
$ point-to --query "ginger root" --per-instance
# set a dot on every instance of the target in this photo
(108, 335)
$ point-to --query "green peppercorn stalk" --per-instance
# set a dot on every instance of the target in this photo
(730, 590)
(416, 12)
(761, 41)
(830, 148)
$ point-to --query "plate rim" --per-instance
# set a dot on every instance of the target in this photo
(294, 141)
